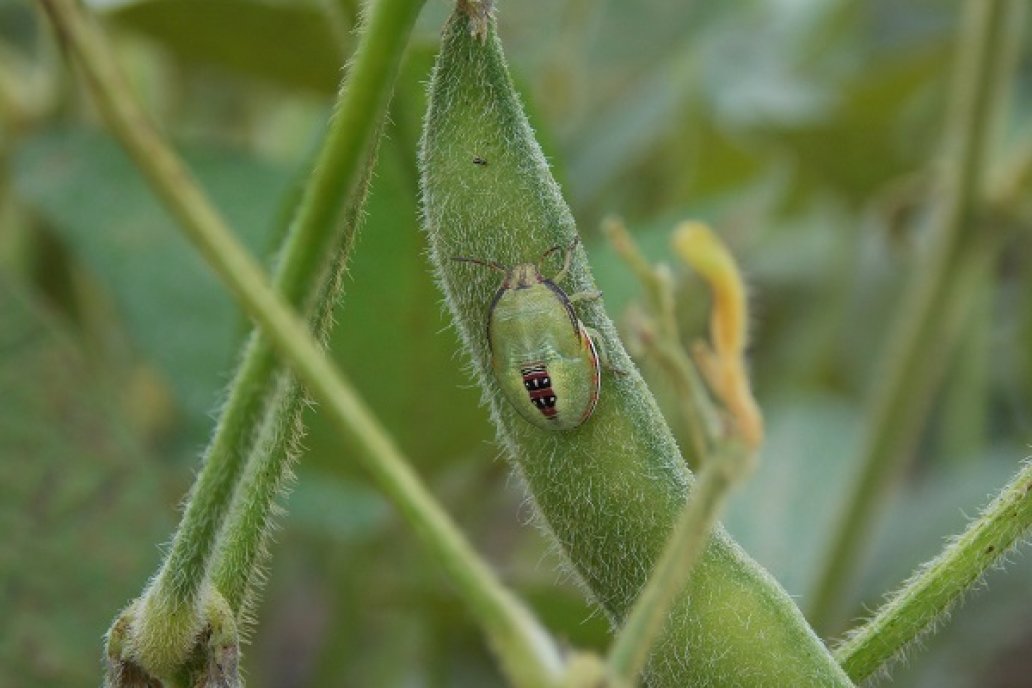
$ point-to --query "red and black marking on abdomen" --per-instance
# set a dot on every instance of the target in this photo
(539, 387)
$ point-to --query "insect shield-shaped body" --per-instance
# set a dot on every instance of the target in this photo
(542, 355)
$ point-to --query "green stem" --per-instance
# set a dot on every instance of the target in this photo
(658, 291)
(694, 401)
(361, 105)
(934, 588)
(913, 359)
(235, 568)
(630, 649)
(341, 173)
(963, 406)
(12, 100)
(336, 174)
(724, 458)
(528, 654)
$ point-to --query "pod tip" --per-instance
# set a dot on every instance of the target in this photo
(479, 13)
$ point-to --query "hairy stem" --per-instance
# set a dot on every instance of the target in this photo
(720, 471)
(337, 176)
(913, 359)
(173, 593)
(937, 585)
(235, 568)
(528, 654)
(310, 274)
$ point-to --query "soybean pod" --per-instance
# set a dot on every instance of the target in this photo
(609, 488)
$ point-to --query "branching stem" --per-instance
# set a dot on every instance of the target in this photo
(308, 274)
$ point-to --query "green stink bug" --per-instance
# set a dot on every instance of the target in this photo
(542, 355)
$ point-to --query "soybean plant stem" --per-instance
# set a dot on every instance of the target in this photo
(913, 359)
(305, 275)
(633, 643)
(941, 582)
(527, 653)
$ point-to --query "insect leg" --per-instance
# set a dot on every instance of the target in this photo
(600, 348)
(585, 296)
(567, 258)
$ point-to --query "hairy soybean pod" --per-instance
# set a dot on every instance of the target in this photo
(610, 489)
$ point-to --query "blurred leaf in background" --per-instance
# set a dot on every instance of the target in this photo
(83, 502)
(287, 44)
(85, 188)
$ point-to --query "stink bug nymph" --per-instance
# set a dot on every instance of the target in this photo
(542, 355)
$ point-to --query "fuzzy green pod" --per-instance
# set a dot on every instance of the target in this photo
(610, 489)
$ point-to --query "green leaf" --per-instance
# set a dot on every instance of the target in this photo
(338, 509)
(803, 471)
(872, 134)
(290, 44)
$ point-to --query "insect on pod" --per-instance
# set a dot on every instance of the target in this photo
(542, 355)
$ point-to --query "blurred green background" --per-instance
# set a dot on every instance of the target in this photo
(806, 131)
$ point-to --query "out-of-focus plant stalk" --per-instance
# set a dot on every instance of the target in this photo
(632, 645)
(931, 308)
(1011, 183)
